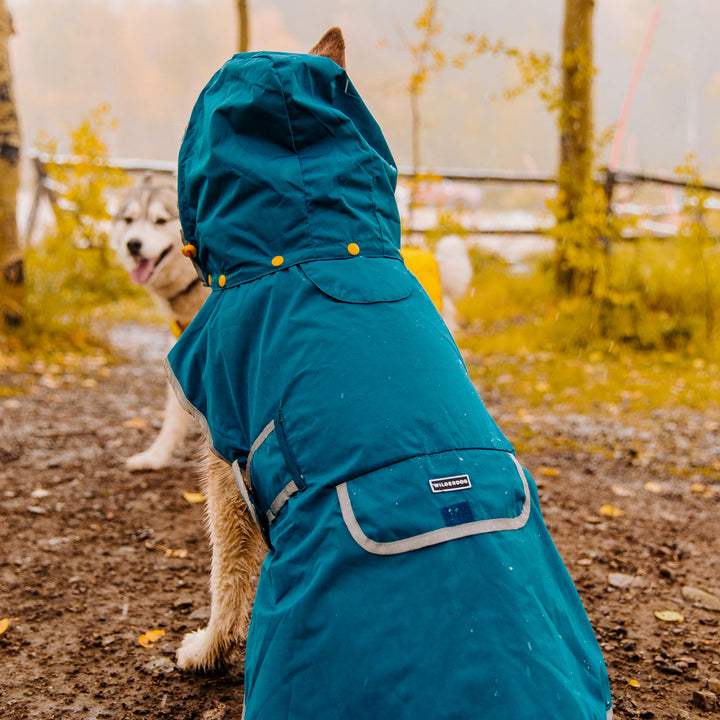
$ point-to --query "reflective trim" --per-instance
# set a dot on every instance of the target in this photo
(279, 502)
(610, 714)
(245, 492)
(261, 438)
(434, 537)
(186, 405)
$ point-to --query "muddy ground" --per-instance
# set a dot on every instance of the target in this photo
(92, 556)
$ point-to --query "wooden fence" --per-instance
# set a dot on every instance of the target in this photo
(46, 188)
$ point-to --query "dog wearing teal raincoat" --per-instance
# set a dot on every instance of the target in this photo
(409, 574)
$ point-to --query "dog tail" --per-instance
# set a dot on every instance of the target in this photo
(454, 266)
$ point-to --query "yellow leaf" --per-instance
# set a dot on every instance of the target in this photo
(194, 497)
(134, 423)
(653, 487)
(4, 625)
(611, 511)
(169, 552)
(148, 639)
(548, 472)
(697, 487)
(669, 616)
(633, 683)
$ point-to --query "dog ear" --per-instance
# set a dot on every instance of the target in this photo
(332, 45)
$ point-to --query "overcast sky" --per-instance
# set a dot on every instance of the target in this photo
(150, 58)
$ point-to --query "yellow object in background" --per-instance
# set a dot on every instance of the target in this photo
(423, 265)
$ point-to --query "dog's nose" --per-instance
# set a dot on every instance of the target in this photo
(134, 247)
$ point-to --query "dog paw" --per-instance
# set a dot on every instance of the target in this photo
(147, 460)
(200, 651)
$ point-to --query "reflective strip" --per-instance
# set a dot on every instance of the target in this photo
(610, 714)
(261, 438)
(186, 405)
(434, 537)
(279, 502)
(245, 492)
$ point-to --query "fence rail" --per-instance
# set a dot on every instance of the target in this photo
(46, 188)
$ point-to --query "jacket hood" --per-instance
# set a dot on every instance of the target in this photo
(281, 164)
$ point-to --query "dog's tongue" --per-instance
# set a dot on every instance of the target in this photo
(142, 271)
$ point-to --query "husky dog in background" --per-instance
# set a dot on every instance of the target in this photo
(146, 236)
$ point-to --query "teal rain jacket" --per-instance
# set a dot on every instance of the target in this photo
(410, 575)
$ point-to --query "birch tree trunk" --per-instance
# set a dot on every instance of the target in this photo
(576, 134)
(11, 275)
(243, 28)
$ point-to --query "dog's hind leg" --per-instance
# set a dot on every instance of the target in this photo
(237, 547)
(159, 454)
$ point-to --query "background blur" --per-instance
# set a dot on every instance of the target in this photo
(150, 58)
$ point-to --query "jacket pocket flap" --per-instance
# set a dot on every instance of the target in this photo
(361, 279)
(436, 498)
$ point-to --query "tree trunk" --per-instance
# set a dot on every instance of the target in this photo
(576, 133)
(243, 29)
(11, 274)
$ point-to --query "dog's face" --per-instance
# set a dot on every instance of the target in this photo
(146, 236)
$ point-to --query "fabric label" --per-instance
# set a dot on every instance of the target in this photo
(449, 484)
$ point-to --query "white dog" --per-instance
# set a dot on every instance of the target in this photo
(146, 236)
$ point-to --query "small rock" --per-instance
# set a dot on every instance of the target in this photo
(713, 684)
(704, 699)
(159, 666)
(218, 712)
(201, 614)
(183, 602)
(701, 598)
(621, 580)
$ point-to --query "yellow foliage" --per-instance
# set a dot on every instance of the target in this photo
(73, 271)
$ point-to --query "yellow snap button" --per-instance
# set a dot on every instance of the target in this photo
(353, 248)
(278, 260)
(221, 281)
(209, 279)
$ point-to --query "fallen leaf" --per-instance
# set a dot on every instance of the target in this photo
(585, 561)
(194, 497)
(4, 625)
(135, 422)
(669, 616)
(698, 487)
(548, 471)
(633, 683)
(621, 491)
(653, 487)
(611, 511)
(149, 638)
(169, 552)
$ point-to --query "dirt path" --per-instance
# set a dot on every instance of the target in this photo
(91, 556)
